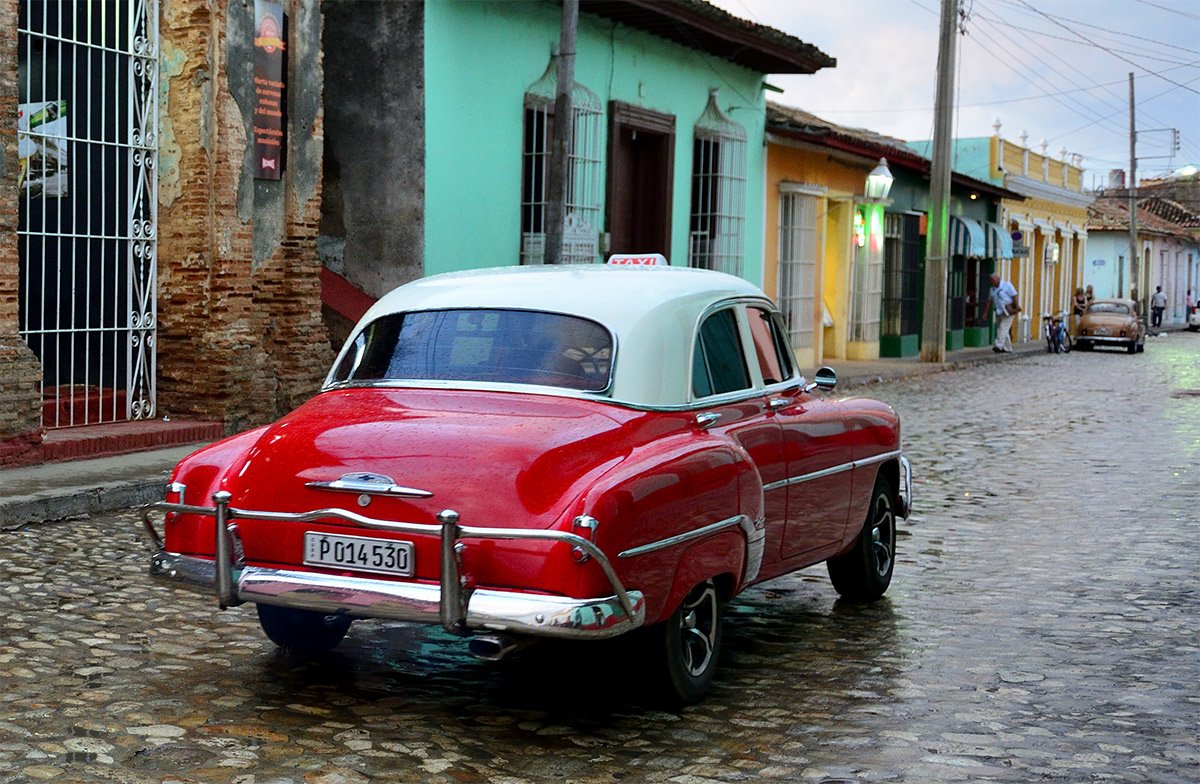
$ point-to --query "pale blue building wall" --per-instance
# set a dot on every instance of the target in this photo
(480, 58)
(1106, 255)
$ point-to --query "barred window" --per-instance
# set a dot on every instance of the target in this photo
(718, 192)
(799, 240)
(582, 219)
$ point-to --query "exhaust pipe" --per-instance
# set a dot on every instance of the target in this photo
(493, 647)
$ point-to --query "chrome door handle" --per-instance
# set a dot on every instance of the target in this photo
(707, 420)
(777, 403)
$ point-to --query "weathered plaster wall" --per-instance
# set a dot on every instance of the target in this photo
(240, 335)
(20, 372)
(372, 222)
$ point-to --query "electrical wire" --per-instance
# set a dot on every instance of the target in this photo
(1103, 48)
(1172, 10)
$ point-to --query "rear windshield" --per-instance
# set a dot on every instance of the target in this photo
(496, 346)
(1108, 307)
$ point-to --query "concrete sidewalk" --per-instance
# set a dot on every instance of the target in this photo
(55, 491)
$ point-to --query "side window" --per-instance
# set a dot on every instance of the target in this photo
(774, 358)
(719, 365)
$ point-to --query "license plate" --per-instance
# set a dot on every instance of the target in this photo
(1101, 331)
(359, 553)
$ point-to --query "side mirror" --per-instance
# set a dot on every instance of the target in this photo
(825, 379)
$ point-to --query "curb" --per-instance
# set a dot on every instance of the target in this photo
(81, 502)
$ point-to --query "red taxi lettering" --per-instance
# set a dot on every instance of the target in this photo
(647, 260)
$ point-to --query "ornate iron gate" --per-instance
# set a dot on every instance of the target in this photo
(87, 133)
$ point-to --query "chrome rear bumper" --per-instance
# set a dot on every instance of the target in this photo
(447, 603)
(1113, 339)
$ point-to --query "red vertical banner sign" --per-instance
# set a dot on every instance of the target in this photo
(270, 88)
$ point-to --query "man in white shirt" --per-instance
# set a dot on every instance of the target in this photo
(1158, 303)
(1002, 298)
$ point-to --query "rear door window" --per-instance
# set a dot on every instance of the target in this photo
(718, 362)
(770, 345)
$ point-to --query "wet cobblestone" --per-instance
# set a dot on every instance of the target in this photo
(1042, 626)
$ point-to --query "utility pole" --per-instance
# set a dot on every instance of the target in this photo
(560, 148)
(1134, 252)
(933, 332)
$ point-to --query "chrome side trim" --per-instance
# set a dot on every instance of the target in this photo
(837, 469)
(905, 487)
(687, 536)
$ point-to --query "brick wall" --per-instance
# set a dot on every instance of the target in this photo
(240, 332)
(20, 372)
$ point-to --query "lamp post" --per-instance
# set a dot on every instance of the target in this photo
(879, 182)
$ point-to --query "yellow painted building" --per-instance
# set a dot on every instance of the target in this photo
(820, 233)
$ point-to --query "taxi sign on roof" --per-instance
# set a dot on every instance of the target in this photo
(638, 260)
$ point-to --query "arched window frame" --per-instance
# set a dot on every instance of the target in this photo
(716, 234)
(584, 175)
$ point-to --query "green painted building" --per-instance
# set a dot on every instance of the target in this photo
(440, 118)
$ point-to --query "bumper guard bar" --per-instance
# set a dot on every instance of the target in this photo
(449, 603)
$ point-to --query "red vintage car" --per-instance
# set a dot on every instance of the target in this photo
(567, 452)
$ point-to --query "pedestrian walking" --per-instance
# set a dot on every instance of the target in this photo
(1190, 306)
(1158, 303)
(1003, 299)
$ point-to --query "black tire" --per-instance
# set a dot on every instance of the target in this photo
(1132, 347)
(1083, 346)
(1067, 343)
(865, 571)
(302, 631)
(687, 645)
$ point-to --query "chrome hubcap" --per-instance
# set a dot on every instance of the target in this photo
(883, 535)
(698, 628)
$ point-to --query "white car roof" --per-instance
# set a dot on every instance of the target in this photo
(651, 311)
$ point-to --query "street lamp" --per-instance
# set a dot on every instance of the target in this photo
(879, 182)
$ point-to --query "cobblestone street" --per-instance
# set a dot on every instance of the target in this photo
(1041, 626)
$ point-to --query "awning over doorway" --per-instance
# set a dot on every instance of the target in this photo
(966, 237)
(997, 242)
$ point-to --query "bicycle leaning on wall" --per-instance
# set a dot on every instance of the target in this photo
(1054, 328)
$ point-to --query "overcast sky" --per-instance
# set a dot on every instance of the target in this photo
(1058, 69)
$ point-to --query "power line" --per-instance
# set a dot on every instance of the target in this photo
(1103, 48)
(1142, 54)
(1118, 33)
(1083, 108)
(1171, 10)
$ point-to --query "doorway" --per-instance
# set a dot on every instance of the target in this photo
(641, 162)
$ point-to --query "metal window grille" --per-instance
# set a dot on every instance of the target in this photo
(893, 274)
(901, 274)
(866, 286)
(799, 240)
(581, 237)
(715, 239)
(88, 82)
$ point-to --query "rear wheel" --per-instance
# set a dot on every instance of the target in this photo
(865, 572)
(302, 631)
(688, 643)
